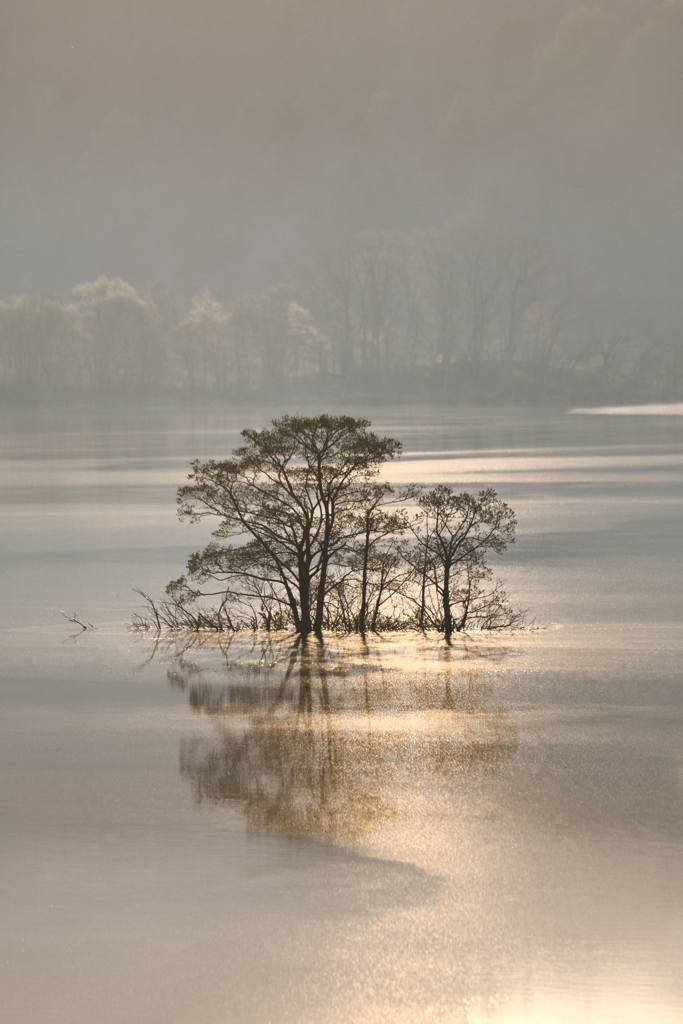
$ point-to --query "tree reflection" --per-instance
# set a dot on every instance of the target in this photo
(326, 740)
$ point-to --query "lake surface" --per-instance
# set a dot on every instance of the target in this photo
(397, 832)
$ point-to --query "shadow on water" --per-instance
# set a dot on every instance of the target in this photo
(330, 740)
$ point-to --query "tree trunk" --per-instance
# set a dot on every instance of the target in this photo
(423, 589)
(305, 625)
(320, 599)
(378, 605)
(322, 582)
(446, 597)
(296, 618)
(363, 613)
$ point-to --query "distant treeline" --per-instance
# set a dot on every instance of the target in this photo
(442, 316)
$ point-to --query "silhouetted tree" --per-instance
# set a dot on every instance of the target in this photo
(453, 533)
(290, 497)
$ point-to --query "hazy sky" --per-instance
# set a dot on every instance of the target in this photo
(222, 143)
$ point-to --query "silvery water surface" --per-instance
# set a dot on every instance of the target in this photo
(396, 833)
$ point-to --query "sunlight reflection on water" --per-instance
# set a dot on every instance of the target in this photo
(321, 739)
(660, 409)
(402, 832)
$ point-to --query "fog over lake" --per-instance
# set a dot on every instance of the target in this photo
(463, 221)
(394, 830)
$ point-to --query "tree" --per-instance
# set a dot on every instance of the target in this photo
(316, 542)
(310, 347)
(290, 499)
(523, 265)
(481, 276)
(453, 534)
(441, 262)
(128, 349)
(380, 267)
(366, 293)
(43, 348)
(333, 290)
(205, 346)
(375, 557)
(261, 326)
(377, 566)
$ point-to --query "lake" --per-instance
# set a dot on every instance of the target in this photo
(399, 831)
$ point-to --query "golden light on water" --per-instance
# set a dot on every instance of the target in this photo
(333, 739)
(391, 832)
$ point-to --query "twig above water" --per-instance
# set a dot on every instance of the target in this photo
(86, 627)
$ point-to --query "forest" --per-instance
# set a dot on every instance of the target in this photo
(386, 316)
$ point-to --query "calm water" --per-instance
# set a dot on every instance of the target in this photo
(398, 832)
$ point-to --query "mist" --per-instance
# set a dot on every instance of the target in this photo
(440, 787)
(495, 185)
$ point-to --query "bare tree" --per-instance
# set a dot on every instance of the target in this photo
(376, 557)
(333, 292)
(442, 269)
(453, 534)
(380, 269)
(290, 497)
(522, 271)
(481, 277)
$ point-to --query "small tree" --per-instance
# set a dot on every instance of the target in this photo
(453, 533)
(375, 552)
(290, 499)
